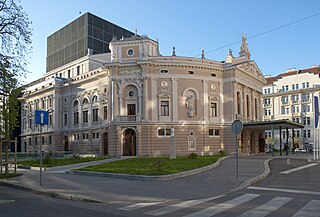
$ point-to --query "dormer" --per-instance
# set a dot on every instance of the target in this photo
(133, 49)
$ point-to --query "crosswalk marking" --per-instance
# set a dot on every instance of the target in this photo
(7, 201)
(139, 205)
(267, 208)
(312, 209)
(213, 210)
(298, 168)
(284, 190)
(179, 206)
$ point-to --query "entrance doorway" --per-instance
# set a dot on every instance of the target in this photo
(66, 143)
(129, 142)
(105, 143)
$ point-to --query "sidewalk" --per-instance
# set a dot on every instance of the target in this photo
(213, 182)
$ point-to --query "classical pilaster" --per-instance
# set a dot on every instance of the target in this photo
(205, 100)
(119, 148)
(155, 106)
(145, 98)
(175, 100)
(138, 142)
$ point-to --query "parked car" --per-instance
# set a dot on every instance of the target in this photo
(300, 150)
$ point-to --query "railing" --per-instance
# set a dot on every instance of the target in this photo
(128, 118)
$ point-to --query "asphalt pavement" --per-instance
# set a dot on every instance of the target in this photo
(218, 180)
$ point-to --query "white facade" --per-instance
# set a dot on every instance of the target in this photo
(290, 96)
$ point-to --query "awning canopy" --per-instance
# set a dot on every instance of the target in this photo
(276, 124)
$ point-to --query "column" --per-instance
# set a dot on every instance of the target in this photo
(280, 139)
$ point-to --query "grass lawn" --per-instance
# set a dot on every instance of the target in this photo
(153, 166)
(52, 162)
(10, 175)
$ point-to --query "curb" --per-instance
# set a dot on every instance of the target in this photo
(256, 179)
(149, 178)
(50, 194)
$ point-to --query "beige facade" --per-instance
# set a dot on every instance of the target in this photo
(126, 102)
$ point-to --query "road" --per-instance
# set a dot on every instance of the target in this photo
(290, 190)
(21, 203)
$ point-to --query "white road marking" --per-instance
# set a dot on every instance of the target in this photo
(7, 201)
(213, 210)
(266, 208)
(179, 206)
(284, 190)
(312, 209)
(298, 168)
(139, 205)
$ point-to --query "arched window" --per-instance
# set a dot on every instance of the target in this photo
(76, 103)
(85, 101)
(238, 103)
(95, 98)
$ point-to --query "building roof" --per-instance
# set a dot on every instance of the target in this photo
(314, 70)
(267, 125)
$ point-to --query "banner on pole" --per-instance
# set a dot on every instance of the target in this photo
(316, 111)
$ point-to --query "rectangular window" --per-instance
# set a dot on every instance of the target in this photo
(283, 110)
(29, 141)
(309, 134)
(95, 114)
(85, 117)
(214, 109)
(214, 132)
(42, 142)
(293, 86)
(304, 134)
(50, 140)
(50, 119)
(69, 73)
(164, 132)
(30, 123)
(78, 70)
(65, 119)
(164, 108)
(36, 140)
(298, 133)
(105, 112)
(85, 136)
(42, 104)
(76, 118)
(50, 102)
(308, 120)
(297, 86)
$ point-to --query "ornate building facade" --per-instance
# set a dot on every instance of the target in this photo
(290, 96)
(126, 102)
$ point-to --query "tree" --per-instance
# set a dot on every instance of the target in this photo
(15, 45)
(15, 36)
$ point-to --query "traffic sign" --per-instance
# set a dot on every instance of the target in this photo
(42, 117)
(237, 126)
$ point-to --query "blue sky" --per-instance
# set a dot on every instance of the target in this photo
(191, 26)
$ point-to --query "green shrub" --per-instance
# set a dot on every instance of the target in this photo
(157, 165)
(47, 160)
(193, 156)
(222, 152)
(75, 157)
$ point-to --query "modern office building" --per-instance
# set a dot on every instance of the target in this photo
(134, 101)
(290, 96)
(88, 33)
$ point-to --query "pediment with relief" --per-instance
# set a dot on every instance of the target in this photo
(252, 69)
(164, 95)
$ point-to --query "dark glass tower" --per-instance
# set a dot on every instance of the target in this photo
(73, 41)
